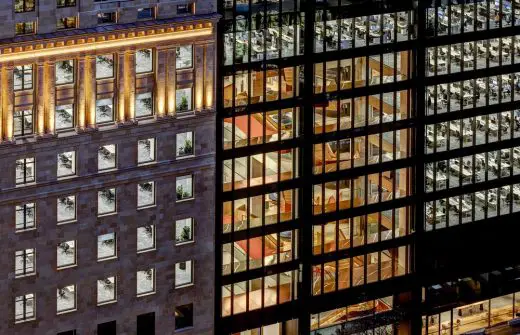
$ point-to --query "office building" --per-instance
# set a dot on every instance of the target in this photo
(107, 157)
(367, 154)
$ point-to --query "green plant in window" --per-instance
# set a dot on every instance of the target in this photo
(183, 106)
(187, 149)
(185, 234)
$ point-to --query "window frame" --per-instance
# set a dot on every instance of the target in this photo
(25, 254)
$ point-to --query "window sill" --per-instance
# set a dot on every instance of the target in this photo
(106, 214)
(107, 170)
(145, 251)
(67, 311)
(66, 267)
(184, 200)
(25, 275)
(106, 303)
(146, 207)
(146, 163)
(185, 157)
(183, 329)
(24, 230)
(184, 286)
(145, 294)
(26, 320)
(107, 259)
(72, 176)
(62, 223)
(26, 184)
(184, 243)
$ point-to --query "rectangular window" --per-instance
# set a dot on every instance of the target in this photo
(145, 282)
(21, 6)
(25, 262)
(66, 299)
(25, 171)
(22, 77)
(66, 23)
(145, 151)
(65, 3)
(106, 246)
(184, 187)
(145, 238)
(105, 18)
(66, 211)
(64, 72)
(185, 9)
(66, 254)
(104, 66)
(183, 317)
(25, 308)
(145, 194)
(106, 290)
(25, 216)
(184, 231)
(66, 165)
(184, 99)
(64, 118)
(104, 110)
(23, 122)
(24, 28)
(145, 13)
(184, 143)
(183, 274)
(144, 61)
(144, 104)
(107, 201)
(184, 57)
(107, 157)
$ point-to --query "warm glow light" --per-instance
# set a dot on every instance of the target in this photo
(100, 45)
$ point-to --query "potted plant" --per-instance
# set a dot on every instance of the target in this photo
(183, 105)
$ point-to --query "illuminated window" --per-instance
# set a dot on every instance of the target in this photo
(183, 274)
(145, 238)
(184, 99)
(184, 143)
(66, 209)
(25, 216)
(25, 308)
(23, 122)
(107, 157)
(66, 254)
(104, 110)
(23, 77)
(184, 231)
(66, 23)
(146, 151)
(145, 194)
(144, 61)
(25, 262)
(25, 171)
(106, 290)
(183, 317)
(66, 299)
(64, 72)
(144, 104)
(107, 201)
(145, 13)
(184, 187)
(21, 6)
(104, 66)
(145, 282)
(106, 246)
(65, 3)
(66, 164)
(23, 28)
(107, 18)
(64, 117)
(184, 57)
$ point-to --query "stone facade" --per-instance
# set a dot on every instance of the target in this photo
(85, 139)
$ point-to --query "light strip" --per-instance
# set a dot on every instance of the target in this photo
(100, 45)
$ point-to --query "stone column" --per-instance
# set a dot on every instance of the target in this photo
(171, 81)
(130, 85)
(90, 91)
(50, 82)
(209, 76)
(8, 100)
(120, 87)
(160, 82)
(40, 98)
(80, 94)
(199, 76)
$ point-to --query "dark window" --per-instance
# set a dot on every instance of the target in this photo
(107, 328)
(106, 18)
(183, 316)
(146, 324)
(68, 332)
(144, 13)
(185, 9)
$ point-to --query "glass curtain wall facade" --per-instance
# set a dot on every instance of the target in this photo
(347, 129)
